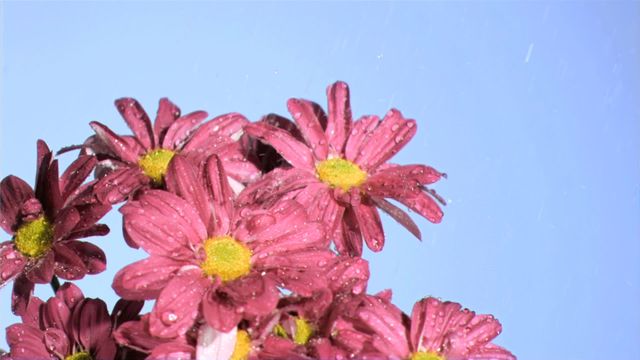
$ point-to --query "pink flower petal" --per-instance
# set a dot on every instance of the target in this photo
(491, 352)
(178, 303)
(432, 320)
(68, 264)
(368, 221)
(13, 193)
(220, 196)
(347, 237)
(295, 152)
(385, 319)
(137, 120)
(182, 179)
(257, 294)
(475, 334)
(26, 342)
(42, 272)
(20, 295)
(348, 274)
(398, 215)
(218, 130)
(125, 310)
(340, 119)
(70, 294)
(135, 334)
(48, 189)
(122, 149)
(94, 259)
(95, 230)
(219, 313)
(76, 174)
(172, 351)
(12, 264)
(164, 224)
(276, 184)
(304, 115)
(275, 348)
(91, 327)
(391, 135)
(56, 341)
(145, 279)
(65, 222)
(424, 205)
(120, 184)
(360, 134)
(168, 112)
(180, 129)
(57, 314)
(32, 314)
(400, 181)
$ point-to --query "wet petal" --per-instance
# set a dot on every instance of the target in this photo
(368, 221)
(76, 174)
(339, 124)
(123, 149)
(57, 314)
(181, 128)
(42, 272)
(93, 258)
(56, 341)
(65, 222)
(13, 193)
(182, 179)
(220, 313)
(432, 319)
(68, 264)
(215, 132)
(26, 342)
(12, 262)
(424, 205)
(91, 326)
(125, 310)
(220, 196)
(145, 279)
(70, 294)
(168, 112)
(304, 115)
(398, 215)
(22, 291)
(360, 134)
(137, 120)
(295, 152)
(178, 303)
(120, 184)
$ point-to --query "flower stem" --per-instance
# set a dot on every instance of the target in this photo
(55, 284)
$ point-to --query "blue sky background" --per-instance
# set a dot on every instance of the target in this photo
(531, 108)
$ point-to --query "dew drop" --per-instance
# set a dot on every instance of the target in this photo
(169, 317)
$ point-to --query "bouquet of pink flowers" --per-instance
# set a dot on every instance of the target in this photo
(254, 234)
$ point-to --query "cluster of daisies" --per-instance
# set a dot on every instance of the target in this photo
(254, 234)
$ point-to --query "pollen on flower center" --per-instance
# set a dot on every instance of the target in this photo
(304, 330)
(428, 355)
(340, 173)
(79, 356)
(154, 164)
(226, 258)
(243, 346)
(34, 238)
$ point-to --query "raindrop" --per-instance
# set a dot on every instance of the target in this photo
(169, 317)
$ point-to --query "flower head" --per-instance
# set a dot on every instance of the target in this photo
(205, 253)
(46, 224)
(339, 170)
(130, 163)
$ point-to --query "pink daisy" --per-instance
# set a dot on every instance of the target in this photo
(436, 331)
(206, 253)
(70, 327)
(140, 161)
(340, 170)
(46, 224)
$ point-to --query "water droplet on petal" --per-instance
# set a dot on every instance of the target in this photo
(169, 318)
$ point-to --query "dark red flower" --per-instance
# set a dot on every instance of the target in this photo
(130, 163)
(46, 224)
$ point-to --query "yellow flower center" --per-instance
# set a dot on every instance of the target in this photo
(340, 173)
(243, 346)
(226, 258)
(428, 355)
(33, 239)
(154, 164)
(304, 330)
(79, 356)
(302, 334)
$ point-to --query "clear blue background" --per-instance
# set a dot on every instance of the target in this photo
(531, 108)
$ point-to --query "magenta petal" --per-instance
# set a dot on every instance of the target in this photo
(304, 115)
(22, 290)
(360, 134)
(76, 174)
(32, 314)
(122, 149)
(168, 112)
(477, 333)
(491, 352)
(57, 314)
(216, 131)
(277, 183)
(424, 205)
(172, 351)
(120, 184)
(42, 272)
(432, 320)
(391, 135)
(68, 265)
(398, 215)
(258, 294)
(48, 190)
(221, 195)
(385, 319)
(95, 230)
(164, 224)
(92, 256)
(91, 327)
(349, 274)
(125, 310)
(70, 294)
(348, 237)
(219, 313)
(65, 222)
(135, 334)
(178, 304)
(369, 223)
(180, 129)
(12, 264)
(26, 342)
(13, 193)
(340, 119)
(292, 150)
(145, 279)
(137, 120)
(182, 179)
(56, 341)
